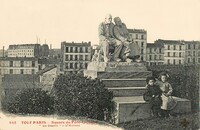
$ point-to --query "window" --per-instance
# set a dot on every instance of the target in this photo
(174, 61)
(168, 47)
(189, 47)
(86, 49)
(86, 57)
(174, 47)
(81, 49)
(11, 71)
(81, 57)
(136, 36)
(71, 65)
(194, 46)
(22, 63)
(189, 53)
(160, 50)
(155, 57)
(174, 54)
(154, 49)
(21, 71)
(11, 63)
(76, 65)
(199, 60)
(168, 61)
(160, 57)
(71, 49)
(142, 36)
(180, 47)
(66, 65)
(150, 58)
(71, 57)
(168, 54)
(76, 49)
(142, 44)
(180, 54)
(66, 57)
(179, 61)
(66, 49)
(150, 50)
(76, 57)
(33, 63)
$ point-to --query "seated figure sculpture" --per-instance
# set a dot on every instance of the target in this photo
(113, 45)
(129, 49)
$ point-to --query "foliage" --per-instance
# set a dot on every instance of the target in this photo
(76, 95)
(184, 80)
(30, 101)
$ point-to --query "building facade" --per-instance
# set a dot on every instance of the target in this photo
(28, 50)
(19, 65)
(192, 55)
(76, 56)
(155, 54)
(174, 51)
(140, 37)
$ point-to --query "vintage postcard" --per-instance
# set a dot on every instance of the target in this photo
(89, 64)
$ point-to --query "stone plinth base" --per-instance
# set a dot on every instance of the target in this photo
(116, 70)
(133, 108)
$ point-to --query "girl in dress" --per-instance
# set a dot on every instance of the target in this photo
(168, 103)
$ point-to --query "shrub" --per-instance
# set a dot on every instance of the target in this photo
(76, 95)
(30, 101)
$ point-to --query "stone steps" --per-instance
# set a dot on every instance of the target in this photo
(134, 108)
(127, 91)
(139, 82)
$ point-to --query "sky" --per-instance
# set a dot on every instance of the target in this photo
(54, 21)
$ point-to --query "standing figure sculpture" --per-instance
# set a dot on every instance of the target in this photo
(128, 49)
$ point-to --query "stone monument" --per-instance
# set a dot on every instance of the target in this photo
(127, 81)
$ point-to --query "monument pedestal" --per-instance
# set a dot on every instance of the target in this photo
(127, 82)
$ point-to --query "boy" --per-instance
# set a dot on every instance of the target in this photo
(153, 95)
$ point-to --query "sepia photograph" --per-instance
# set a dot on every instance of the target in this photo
(104, 65)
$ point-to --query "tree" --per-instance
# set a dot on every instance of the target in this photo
(31, 101)
(76, 95)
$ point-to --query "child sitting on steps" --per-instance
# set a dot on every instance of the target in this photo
(153, 96)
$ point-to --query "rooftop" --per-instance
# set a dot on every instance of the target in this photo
(46, 69)
(76, 44)
(170, 41)
(16, 46)
(19, 58)
(152, 45)
(137, 31)
(19, 81)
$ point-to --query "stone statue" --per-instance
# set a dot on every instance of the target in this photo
(129, 49)
(114, 42)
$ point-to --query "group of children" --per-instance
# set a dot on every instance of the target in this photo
(158, 94)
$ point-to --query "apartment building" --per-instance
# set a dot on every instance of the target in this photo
(174, 51)
(140, 37)
(28, 50)
(192, 54)
(155, 54)
(75, 56)
(18, 65)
